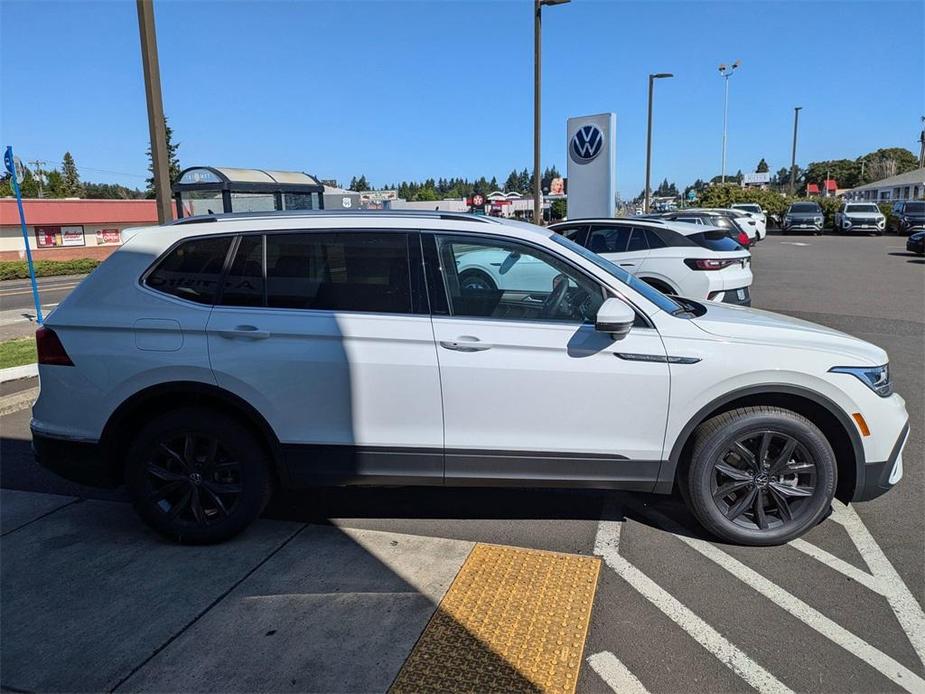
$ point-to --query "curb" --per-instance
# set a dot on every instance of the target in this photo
(16, 373)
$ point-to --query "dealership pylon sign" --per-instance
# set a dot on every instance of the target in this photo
(592, 159)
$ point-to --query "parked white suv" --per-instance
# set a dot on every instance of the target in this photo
(860, 217)
(679, 258)
(208, 361)
(753, 210)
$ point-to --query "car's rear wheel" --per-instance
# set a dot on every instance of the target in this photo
(197, 476)
(476, 280)
(760, 475)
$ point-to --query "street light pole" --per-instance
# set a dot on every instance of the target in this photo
(537, 83)
(156, 123)
(726, 71)
(652, 78)
(793, 157)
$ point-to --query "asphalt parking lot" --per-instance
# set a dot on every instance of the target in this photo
(838, 611)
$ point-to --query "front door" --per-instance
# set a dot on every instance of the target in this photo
(324, 334)
(532, 394)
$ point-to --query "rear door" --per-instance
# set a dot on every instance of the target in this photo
(327, 334)
(622, 243)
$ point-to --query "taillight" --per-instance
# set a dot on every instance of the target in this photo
(743, 239)
(51, 351)
(708, 263)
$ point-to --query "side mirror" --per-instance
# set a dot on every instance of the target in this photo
(615, 317)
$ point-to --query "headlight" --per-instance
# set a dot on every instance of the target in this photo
(846, 222)
(818, 220)
(877, 378)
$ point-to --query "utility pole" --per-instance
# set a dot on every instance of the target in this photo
(922, 141)
(652, 78)
(156, 123)
(39, 174)
(793, 158)
(726, 71)
(537, 84)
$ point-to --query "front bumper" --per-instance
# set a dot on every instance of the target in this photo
(78, 461)
(802, 225)
(915, 246)
(850, 225)
(879, 478)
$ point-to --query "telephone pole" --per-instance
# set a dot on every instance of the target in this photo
(156, 123)
(39, 174)
(793, 158)
(922, 141)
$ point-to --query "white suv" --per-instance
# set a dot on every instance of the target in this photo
(208, 361)
(679, 258)
(753, 210)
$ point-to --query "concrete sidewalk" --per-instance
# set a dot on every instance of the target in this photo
(93, 601)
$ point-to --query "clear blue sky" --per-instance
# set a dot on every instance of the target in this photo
(407, 90)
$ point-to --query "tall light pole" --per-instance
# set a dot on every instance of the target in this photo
(652, 78)
(537, 64)
(156, 123)
(793, 156)
(726, 71)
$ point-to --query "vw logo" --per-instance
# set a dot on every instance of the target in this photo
(586, 144)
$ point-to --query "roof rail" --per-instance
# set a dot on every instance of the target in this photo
(291, 214)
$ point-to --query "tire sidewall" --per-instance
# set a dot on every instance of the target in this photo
(237, 441)
(708, 450)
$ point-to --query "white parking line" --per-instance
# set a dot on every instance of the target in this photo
(607, 544)
(904, 605)
(839, 565)
(615, 674)
(887, 666)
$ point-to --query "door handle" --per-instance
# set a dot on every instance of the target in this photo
(246, 331)
(627, 264)
(465, 344)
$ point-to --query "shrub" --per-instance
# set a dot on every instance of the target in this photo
(18, 270)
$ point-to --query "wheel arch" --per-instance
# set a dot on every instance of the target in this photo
(138, 408)
(834, 423)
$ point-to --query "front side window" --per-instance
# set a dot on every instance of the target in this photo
(608, 238)
(491, 278)
(192, 270)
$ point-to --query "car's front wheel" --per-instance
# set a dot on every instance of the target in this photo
(760, 475)
(197, 476)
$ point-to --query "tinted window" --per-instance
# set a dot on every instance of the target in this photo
(803, 207)
(914, 208)
(716, 240)
(872, 209)
(572, 232)
(192, 270)
(608, 239)
(339, 272)
(244, 282)
(637, 241)
(654, 239)
(490, 278)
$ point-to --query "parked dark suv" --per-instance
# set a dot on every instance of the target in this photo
(908, 216)
(803, 216)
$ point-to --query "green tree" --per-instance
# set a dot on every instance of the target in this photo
(845, 171)
(559, 208)
(359, 184)
(173, 162)
(70, 179)
(886, 162)
(762, 166)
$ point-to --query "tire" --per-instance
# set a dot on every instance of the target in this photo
(478, 280)
(197, 476)
(791, 501)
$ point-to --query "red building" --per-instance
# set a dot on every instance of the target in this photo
(71, 228)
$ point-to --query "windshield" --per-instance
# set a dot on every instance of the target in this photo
(915, 208)
(649, 292)
(862, 208)
(805, 207)
(748, 208)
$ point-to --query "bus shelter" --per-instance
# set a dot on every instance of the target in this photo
(217, 190)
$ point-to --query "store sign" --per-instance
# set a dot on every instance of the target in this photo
(108, 236)
(57, 236)
(592, 159)
(756, 178)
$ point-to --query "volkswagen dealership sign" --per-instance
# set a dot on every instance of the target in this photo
(592, 160)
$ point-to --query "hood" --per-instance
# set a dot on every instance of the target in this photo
(756, 326)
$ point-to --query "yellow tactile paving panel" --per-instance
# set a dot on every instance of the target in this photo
(514, 620)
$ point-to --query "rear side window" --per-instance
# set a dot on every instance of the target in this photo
(716, 240)
(663, 238)
(192, 270)
(339, 272)
(244, 283)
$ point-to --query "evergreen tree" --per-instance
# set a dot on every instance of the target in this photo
(70, 179)
(173, 162)
(762, 166)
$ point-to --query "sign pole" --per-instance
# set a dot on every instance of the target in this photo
(14, 167)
